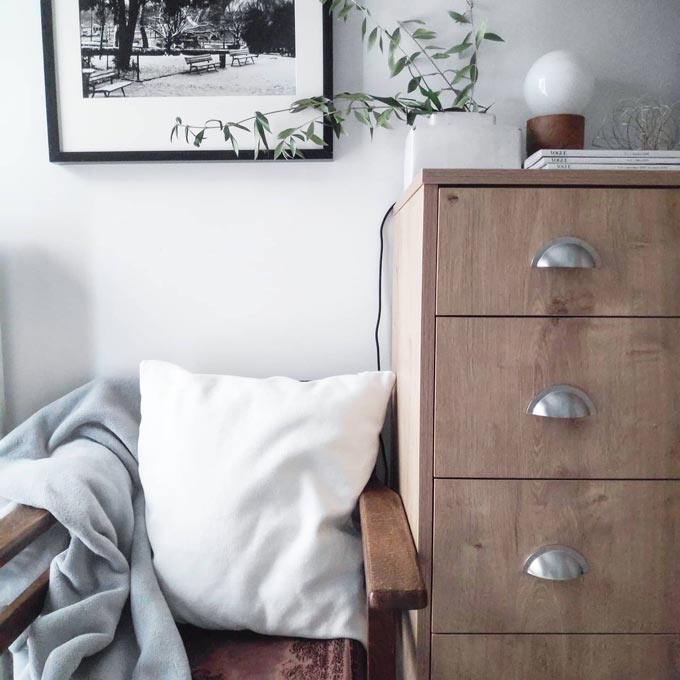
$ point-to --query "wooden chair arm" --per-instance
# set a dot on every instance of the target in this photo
(393, 579)
(20, 528)
(20, 613)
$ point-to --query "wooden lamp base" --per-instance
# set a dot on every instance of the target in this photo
(561, 131)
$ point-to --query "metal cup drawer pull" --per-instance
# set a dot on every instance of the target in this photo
(566, 253)
(556, 563)
(561, 401)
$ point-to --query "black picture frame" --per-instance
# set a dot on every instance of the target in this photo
(57, 155)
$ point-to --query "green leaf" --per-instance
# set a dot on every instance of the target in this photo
(317, 140)
(466, 72)
(463, 96)
(459, 49)
(345, 12)
(372, 38)
(413, 85)
(493, 36)
(431, 96)
(260, 130)
(262, 120)
(364, 27)
(390, 59)
(362, 117)
(383, 118)
(399, 66)
(424, 34)
(441, 55)
(420, 22)
(234, 145)
(238, 126)
(199, 138)
(481, 32)
(459, 18)
(286, 133)
(278, 152)
(390, 101)
(396, 37)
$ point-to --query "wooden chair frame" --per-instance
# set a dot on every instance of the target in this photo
(393, 579)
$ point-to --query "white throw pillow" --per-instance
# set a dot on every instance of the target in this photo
(250, 486)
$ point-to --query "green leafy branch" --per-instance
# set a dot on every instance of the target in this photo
(430, 90)
(370, 110)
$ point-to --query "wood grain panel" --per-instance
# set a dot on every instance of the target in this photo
(629, 533)
(488, 370)
(413, 321)
(552, 178)
(557, 657)
(393, 579)
(488, 236)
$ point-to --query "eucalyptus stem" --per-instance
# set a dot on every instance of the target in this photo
(449, 84)
(370, 110)
(367, 13)
(473, 61)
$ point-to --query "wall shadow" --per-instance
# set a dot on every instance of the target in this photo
(46, 324)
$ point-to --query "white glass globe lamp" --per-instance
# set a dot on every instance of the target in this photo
(557, 83)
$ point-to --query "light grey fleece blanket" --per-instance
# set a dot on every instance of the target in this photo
(105, 617)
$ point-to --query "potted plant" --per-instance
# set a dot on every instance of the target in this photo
(458, 130)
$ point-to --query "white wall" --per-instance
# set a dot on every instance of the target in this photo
(247, 268)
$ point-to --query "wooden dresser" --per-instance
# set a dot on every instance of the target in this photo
(536, 341)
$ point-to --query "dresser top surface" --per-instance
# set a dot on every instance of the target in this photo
(551, 178)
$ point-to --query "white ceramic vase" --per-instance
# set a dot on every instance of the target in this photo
(458, 139)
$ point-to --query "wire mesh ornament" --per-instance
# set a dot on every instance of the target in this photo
(644, 123)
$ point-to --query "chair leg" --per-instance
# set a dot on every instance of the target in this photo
(382, 644)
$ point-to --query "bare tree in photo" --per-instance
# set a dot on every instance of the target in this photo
(228, 15)
(100, 10)
(234, 19)
(177, 18)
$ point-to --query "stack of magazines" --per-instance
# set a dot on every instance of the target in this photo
(602, 159)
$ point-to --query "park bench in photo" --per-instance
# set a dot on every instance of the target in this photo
(241, 57)
(201, 62)
(104, 82)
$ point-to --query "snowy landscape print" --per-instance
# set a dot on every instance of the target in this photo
(187, 48)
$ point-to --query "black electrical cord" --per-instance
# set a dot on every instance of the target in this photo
(383, 452)
(380, 281)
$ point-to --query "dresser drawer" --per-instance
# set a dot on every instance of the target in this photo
(555, 657)
(489, 236)
(489, 370)
(485, 532)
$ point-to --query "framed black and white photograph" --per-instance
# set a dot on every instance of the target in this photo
(119, 73)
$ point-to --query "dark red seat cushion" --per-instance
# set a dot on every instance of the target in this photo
(224, 655)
